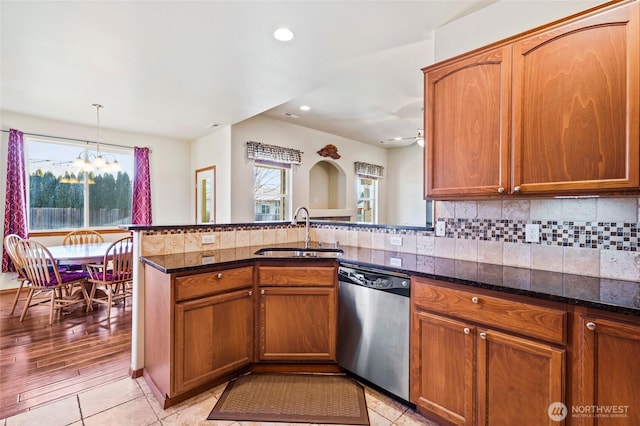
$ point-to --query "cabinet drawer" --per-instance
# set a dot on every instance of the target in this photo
(320, 276)
(523, 318)
(213, 282)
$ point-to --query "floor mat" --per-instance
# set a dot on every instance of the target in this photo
(298, 398)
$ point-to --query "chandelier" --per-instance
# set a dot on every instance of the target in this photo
(88, 161)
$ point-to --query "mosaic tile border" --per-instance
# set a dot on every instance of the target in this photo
(594, 235)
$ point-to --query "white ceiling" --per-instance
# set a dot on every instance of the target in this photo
(172, 68)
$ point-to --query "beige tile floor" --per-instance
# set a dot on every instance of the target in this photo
(130, 402)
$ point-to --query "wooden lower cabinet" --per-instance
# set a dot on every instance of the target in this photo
(467, 372)
(297, 311)
(198, 329)
(443, 367)
(297, 324)
(517, 379)
(609, 373)
(213, 336)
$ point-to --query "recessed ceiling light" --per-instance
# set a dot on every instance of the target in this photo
(213, 125)
(283, 34)
(397, 138)
(305, 107)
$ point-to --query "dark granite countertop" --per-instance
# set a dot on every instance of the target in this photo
(600, 293)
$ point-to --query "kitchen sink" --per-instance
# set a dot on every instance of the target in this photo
(299, 252)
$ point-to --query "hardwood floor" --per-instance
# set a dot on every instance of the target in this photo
(41, 363)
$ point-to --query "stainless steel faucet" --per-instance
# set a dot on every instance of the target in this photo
(306, 224)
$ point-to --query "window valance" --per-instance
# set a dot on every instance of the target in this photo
(369, 170)
(261, 151)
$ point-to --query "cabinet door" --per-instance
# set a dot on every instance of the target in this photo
(517, 379)
(442, 367)
(297, 323)
(467, 126)
(213, 336)
(610, 376)
(575, 106)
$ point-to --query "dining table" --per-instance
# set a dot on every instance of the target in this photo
(79, 253)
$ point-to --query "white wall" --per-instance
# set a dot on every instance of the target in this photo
(501, 20)
(214, 149)
(169, 163)
(276, 132)
(405, 200)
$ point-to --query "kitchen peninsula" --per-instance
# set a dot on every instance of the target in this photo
(581, 331)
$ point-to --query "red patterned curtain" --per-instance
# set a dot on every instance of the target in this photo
(15, 206)
(141, 199)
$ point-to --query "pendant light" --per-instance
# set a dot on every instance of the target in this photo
(88, 161)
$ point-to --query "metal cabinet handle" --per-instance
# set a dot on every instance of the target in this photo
(516, 190)
(501, 190)
(483, 335)
(250, 292)
(474, 299)
(591, 326)
(219, 276)
(466, 330)
(262, 291)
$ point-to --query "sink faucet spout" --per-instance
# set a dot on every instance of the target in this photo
(306, 224)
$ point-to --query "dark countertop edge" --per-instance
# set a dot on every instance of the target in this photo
(477, 284)
(534, 294)
(132, 227)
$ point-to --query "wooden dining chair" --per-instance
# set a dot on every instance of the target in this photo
(10, 242)
(82, 236)
(65, 288)
(113, 276)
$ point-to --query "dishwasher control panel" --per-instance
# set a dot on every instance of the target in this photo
(373, 278)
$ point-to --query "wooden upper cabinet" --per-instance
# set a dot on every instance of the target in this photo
(467, 125)
(575, 106)
(551, 112)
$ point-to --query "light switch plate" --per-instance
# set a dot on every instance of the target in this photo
(396, 241)
(208, 239)
(440, 228)
(532, 233)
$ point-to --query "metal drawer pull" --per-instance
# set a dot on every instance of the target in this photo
(219, 276)
(262, 291)
(591, 326)
(501, 190)
(466, 330)
(483, 335)
(474, 299)
(516, 189)
(250, 292)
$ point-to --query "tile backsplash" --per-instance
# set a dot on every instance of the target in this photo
(592, 237)
(585, 236)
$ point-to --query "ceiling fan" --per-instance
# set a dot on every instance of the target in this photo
(418, 139)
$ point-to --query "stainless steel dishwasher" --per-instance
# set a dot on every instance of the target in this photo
(373, 326)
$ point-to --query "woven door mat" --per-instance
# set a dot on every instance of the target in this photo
(293, 398)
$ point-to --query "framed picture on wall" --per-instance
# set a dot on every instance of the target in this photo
(206, 195)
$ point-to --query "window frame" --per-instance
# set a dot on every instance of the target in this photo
(286, 182)
(81, 146)
(373, 198)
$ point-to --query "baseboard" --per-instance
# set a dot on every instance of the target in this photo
(11, 290)
(134, 374)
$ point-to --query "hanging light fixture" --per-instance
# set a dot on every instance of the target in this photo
(88, 161)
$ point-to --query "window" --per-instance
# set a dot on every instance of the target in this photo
(62, 197)
(367, 200)
(270, 191)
